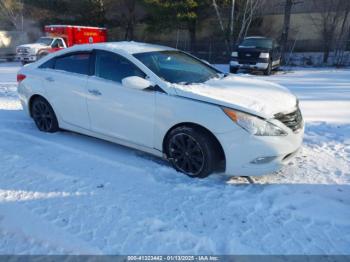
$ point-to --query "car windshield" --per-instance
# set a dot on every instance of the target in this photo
(177, 67)
(44, 40)
(256, 43)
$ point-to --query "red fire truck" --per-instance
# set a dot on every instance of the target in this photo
(58, 37)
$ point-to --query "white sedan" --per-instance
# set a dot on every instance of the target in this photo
(165, 102)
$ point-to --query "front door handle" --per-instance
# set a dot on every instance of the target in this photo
(50, 79)
(95, 92)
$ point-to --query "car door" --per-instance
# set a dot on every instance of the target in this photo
(65, 79)
(117, 111)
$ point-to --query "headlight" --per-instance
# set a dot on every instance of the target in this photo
(253, 124)
(264, 55)
(234, 54)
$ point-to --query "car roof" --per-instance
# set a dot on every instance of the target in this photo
(130, 47)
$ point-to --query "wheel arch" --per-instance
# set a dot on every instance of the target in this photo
(30, 102)
(43, 52)
(197, 127)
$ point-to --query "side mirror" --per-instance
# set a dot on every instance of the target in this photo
(136, 82)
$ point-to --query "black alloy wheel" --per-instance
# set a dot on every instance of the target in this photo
(44, 116)
(192, 152)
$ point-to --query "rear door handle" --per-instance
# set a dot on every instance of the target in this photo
(50, 79)
(95, 92)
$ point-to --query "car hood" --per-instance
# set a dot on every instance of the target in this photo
(254, 96)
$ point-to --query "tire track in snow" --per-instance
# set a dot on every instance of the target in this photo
(71, 150)
(40, 231)
(191, 217)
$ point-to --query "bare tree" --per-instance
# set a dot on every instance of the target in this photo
(286, 25)
(240, 16)
(250, 9)
(343, 36)
(12, 11)
(130, 19)
(328, 21)
(126, 14)
(219, 16)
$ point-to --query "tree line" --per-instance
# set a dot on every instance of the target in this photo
(234, 18)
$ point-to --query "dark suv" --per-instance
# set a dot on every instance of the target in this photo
(256, 53)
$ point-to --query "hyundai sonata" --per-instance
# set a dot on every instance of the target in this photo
(165, 102)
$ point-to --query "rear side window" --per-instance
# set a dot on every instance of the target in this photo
(114, 67)
(75, 63)
(48, 64)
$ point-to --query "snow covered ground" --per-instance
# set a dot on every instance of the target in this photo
(66, 193)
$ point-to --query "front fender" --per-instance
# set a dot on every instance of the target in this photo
(174, 110)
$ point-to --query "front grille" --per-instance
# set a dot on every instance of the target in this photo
(293, 120)
(23, 51)
(246, 55)
(246, 62)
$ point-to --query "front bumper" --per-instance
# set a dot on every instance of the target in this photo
(248, 155)
(27, 58)
(257, 66)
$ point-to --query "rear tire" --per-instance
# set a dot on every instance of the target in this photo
(43, 115)
(192, 152)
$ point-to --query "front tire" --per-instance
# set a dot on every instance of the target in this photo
(44, 116)
(268, 70)
(233, 70)
(192, 152)
(41, 55)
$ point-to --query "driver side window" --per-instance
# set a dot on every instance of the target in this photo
(58, 43)
(114, 67)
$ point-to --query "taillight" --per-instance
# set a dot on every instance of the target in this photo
(20, 78)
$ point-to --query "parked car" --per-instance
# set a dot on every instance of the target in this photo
(59, 37)
(256, 53)
(165, 102)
